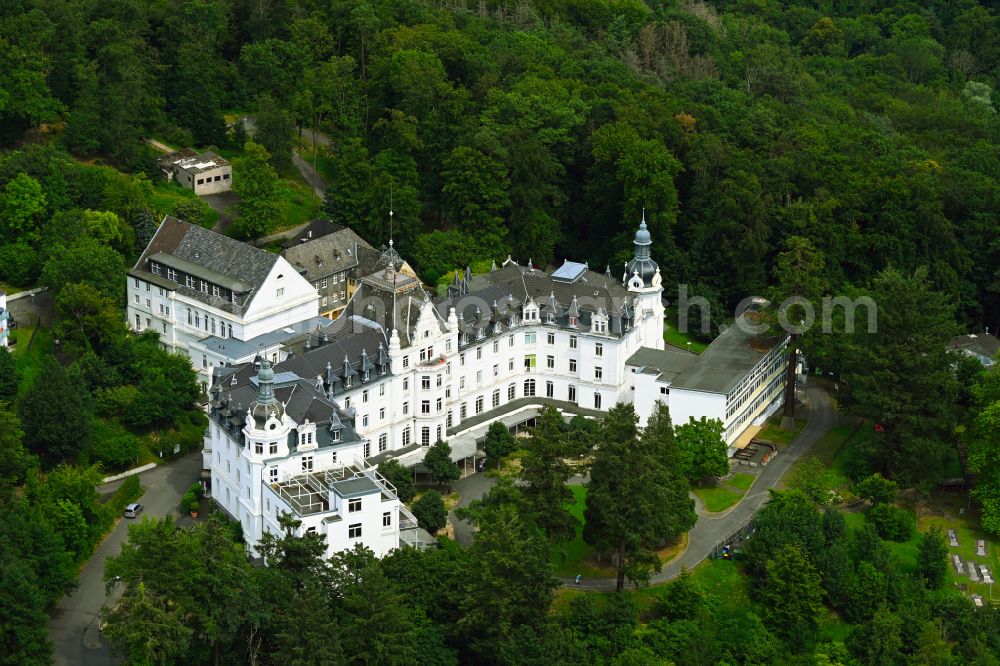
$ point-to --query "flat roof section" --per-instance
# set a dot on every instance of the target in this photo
(669, 362)
(356, 487)
(726, 361)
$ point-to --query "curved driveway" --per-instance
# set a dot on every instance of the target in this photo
(709, 529)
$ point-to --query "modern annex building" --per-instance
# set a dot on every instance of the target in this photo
(400, 369)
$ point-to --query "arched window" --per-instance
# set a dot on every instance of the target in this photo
(529, 387)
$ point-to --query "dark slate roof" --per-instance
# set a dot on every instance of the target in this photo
(500, 296)
(195, 247)
(325, 360)
(323, 256)
(374, 303)
(982, 345)
(315, 229)
(228, 404)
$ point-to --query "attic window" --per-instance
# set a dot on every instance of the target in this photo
(335, 435)
(280, 275)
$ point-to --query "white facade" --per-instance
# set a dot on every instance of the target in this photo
(186, 308)
(320, 479)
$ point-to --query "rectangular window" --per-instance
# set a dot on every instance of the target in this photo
(479, 353)
(511, 391)
(572, 365)
(597, 400)
(598, 373)
(496, 346)
(138, 322)
(272, 448)
(551, 338)
(216, 291)
(572, 393)
(529, 338)
(425, 383)
(406, 436)
(598, 349)
(364, 421)
(479, 377)
(386, 519)
(496, 370)
(381, 413)
(572, 342)
(354, 505)
(323, 283)
(258, 448)
(383, 442)
(204, 287)
(354, 531)
(479, 405)
(550, 390)
(406, 408)
(279, 292)
(496, 398)
(463, 410)
(307, 463)
(438, 406)
(461, 359)
(136, 298)
(425, 406)
(425, 436)
(550, 362)
(406, 361)
(364, 397)
(272, 474)
(510, 340)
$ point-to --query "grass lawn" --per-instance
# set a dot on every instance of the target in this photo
(298, 204)
(674, 337)
(828, 450)
(945, 515)
(742, 480)
(772, 432)
(168, 195)
(718, 498)
(29, 361)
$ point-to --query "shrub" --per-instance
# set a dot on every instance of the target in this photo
(194, 506)
(128, 492)
(891, 523)
(430, 512)
(113, 446)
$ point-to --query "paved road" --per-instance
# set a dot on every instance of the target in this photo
(710, 529)
(73, 623)
(223, 203)
(707, 532)
(312, 177)
(27, 308)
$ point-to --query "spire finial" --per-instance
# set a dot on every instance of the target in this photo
(642, 225)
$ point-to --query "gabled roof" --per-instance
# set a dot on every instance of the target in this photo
(323, 255)
(209, 256)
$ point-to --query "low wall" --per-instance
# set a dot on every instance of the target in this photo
(116, 477)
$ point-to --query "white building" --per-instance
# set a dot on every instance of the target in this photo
(406, 370)
(291, 451)
(739, 380)
(202, 173)
(5, 320)
(199, 289)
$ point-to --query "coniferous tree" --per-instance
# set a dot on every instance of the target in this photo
(637, 499)
(545, 472)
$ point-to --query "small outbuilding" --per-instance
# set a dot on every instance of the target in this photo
(203, 173)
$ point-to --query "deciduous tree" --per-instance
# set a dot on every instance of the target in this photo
(255, 180)
(440, 467)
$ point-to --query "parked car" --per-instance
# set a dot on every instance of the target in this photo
(133, 510)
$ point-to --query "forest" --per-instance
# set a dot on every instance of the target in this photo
(775, 148)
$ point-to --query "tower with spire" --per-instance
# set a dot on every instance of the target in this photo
(642, 278)
(266, 423)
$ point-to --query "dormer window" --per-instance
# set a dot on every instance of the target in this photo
(366, 376)
(204, 287)
(481, 333)
(171, 274)
(347, 382)
(382, 369)
(156, 268)
(189, 281)
(549, 318)
(573, 321)
(335, 435)
(496, 327)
